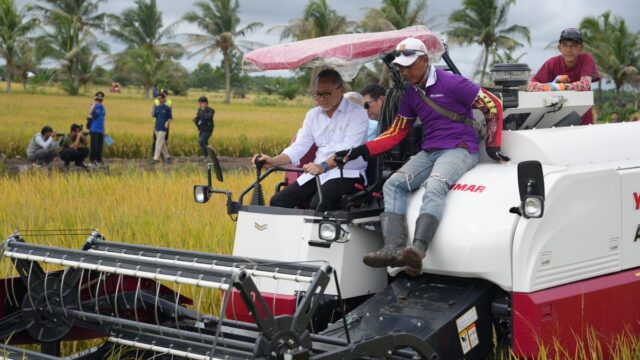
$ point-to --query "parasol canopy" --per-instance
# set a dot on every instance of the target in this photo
(345, 53)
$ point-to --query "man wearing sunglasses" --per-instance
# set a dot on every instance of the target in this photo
(443, 101)
(573, 69)
(373, 99)
(335, 123)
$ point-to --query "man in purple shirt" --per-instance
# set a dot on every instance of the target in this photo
(449, 149)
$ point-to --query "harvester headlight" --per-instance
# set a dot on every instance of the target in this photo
(201, 193)
(533, 206)
(329, 231)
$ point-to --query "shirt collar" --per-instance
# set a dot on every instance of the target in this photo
(341, 107)
(432, 78)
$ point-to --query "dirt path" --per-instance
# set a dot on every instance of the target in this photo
(18, 165)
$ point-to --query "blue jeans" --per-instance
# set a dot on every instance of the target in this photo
(436, 171)
(204, 141)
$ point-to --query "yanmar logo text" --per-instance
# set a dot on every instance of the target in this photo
(636, 197)
(468, 187)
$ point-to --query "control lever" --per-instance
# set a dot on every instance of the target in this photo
(340, 162)
(257, 197)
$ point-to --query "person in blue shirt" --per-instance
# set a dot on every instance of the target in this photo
(163, 115)
(96, 127)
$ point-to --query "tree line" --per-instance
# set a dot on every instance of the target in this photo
(70, 34)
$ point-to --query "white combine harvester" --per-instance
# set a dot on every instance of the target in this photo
(540, 251)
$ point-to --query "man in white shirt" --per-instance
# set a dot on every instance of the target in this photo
(42, 148)
(333, 124)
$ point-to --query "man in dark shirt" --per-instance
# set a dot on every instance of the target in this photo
(74, 147)
(573, 69)
(204, 122)
(162, 114)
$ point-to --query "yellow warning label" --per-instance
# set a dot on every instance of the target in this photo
(468, 338)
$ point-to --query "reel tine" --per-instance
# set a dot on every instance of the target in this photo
(104, 289)
(115, 301)
(198, 312)
(46, 296)
(135, 305)
(29, 286)
(124, 298)
(223, 307)
(64, 274)
(175, 311)
(6, 281)
(98, 295)
(233, 306)
(155, 307)
(80, 294)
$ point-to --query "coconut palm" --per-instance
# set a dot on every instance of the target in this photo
(483, 22)
(15, 25)
(148, 41)
(394, 15)
(318, 19)
(71, 24)
(220, 21)
(65, 44)
(615, 49)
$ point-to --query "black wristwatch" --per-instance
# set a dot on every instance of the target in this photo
(325, 166)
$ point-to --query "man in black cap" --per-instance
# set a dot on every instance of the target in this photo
(204, 122)
(573, 69)
(74, 147)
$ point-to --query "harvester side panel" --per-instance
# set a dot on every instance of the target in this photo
(578, 237)
(602, 308)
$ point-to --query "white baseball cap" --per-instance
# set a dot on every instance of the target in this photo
(408, 50)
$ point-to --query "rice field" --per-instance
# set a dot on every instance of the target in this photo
(154, 208)
(242, 128)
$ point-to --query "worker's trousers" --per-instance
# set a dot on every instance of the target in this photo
(436, 171)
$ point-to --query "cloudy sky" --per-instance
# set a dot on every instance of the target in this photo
(544, 18)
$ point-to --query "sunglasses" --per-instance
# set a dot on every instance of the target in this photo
(408, 52)
(324, 94)
(367, 104)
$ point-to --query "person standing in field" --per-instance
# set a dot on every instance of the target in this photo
(156, 102)
(162, 114)
(204, 122)
(95, 124)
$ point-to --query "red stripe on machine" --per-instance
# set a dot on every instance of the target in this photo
(636, 197)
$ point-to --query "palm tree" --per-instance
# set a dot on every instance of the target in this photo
(482, 22)
(318, 20)
(14, 27)
(219, 20)
(395, 15)
(148, 42)
(66, 44)
(72, 24)
(615, 49)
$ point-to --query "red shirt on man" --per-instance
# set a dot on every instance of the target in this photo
(585, 66)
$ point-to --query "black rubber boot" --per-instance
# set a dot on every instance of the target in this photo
(394, 234)
(426, 226)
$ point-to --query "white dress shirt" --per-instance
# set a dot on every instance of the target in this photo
(347, 128)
